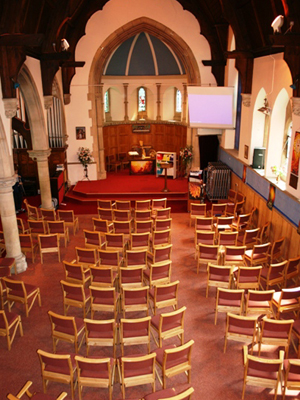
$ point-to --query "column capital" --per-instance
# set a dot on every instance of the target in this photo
(296, 105)
(6, 184)
(246, 99)
(39, 155)
(10, 107)
(48, 101)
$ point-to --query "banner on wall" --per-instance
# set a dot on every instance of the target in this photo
(271, 199)
(295, 161)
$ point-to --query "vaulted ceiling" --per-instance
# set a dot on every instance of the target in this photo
(36, 27)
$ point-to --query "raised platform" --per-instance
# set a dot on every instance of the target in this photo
(122, 186)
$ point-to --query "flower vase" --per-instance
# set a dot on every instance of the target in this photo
(86, 175)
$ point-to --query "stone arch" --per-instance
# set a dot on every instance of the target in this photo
(104, 51)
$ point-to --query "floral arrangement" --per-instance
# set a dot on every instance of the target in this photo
(84, 156)
(186, 154)
(277, 171)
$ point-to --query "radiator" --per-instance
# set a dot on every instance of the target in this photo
(217, 181)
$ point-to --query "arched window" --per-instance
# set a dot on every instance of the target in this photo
(107, 106)
(142, 102)
(178, 103)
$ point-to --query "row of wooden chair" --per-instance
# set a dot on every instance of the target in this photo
(151, 204)
(113, 214)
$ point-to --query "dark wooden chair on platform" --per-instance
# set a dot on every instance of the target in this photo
(124, 160)
(112, 163)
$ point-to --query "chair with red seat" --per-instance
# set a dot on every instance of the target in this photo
(22, 226)
(259, 302)
(131, 277)
(104, 299)
(135, 331)
(276, 251)
(258, 255)
(60, 228)
(264, 233)
(123, 205)
(287, 300)
(34, 395)
(106, 214)
(70, 220)
(227, 238)
(49, 244)
(204, 224)
(241, 329)
(75, 295)
(109, 204)
(234, 255)
(37, 227)
(116, 241)
(162, 224)
(136, 258)
(162, 296)
(168, 325)
(204, 237)
(141, 205)
(123, 227)
(207, 254)
(248, 238)
(158, 274)
(102, 226)
(32, 212)
(142, 215)
(20, 292)
(48, 214)
(135, 299)
(229, 300)
(92, 239)
(139, 241)
(103, 277)
(9, 324)
(218, 276)
(143, 226)
(160, 238)
(110, 259)
(100, 333)
(247, 277)
(241, 223)
(292, 271)
(66, 328)
(28, 245)
(159, 255)
(162, 213)
(158, 204)
(86, 257)
(273, 275)
(197, 210)
(77, 273)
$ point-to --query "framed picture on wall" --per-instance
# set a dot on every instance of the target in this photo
(80, 132)
(246, 152)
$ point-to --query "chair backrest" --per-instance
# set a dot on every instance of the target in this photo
(109, 258)
(231, 195)
(218, 209)
(50, 241)
(66, 215)
(159, 203)
(205, 237)
(114, 240)
(131, 277)
(16, 287)
(86, 256)
(25, 240)
(290, 293)
(56, 227)
(204, 223)
(292, 269)
(162, 253)
(180, 355)
(166, 291)
(251, 237)
(172, 319)
(73, 289)
(276, 250)
(161, 238)
(142, 215)
(142, 368)
(258, 301)
(63, 323)
(105, 213)
(143, 226)
(48, 214)
(37, 227)
(227, 238)
(21, 226)
(160, 273)
(163, 213)
(142, 205)
(224, 222)
(107, 295)
(264, 233)
(248, 277)
(208, 252)
(109, 204)
(260, 250)
(242, 221)
(123, 205)
(102, 276)
(122, 227)
(136, 257)
(234, 251)
(32, 212)
(139, 240)
(135, 331)
(74, 273)
(198, 209)
(121, 215)
(162, 224)
(101, 225)
(92, 239)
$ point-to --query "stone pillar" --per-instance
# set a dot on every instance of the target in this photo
(125, 85)
(184, 101)
(41, 157)
(9, 223)
(158, 101)
(99, 105)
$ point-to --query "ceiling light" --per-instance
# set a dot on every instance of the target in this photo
(277, 24)
(265, 109)
(64, 45)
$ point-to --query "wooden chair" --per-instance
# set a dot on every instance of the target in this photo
(122, 227)
(77, 273)
(131, 277)
(103, 277)
(273, 275)
(142, 215)
(137, 370)
(264, 233)
(136, 258)
(37, 227)
(290, 376)
(59, 228)
(229, 300)
(287, 300)
(32, 212)
(143, 226)
(275, 333)
(163, 213)
(204, 237)
(241, 329)
(20, 292)
(217, 210)
(59, 368)
(104, 299)
(96, 373)
(102, 226)
(158, 204)
(100, 333)
(227, 238)
(135, 299)
(135, 331)
(34, 395)
(110, 259)
(122, 215)
(160, 238)
(139, 241)
(168, 325)
(248, 238)
(86, 257)
(92, 239)
(231, 196)
(124, 160)
(162, 224)
(247, 277)
(262, 372)
(109, 204)
(258, 255)
(171, 394)
(162, 296)
(197, 210)
(235, 209)
(9, 324)
(28, 245)
(296, 333)
(69, 218)
(241, 223)
(23, 229)
(204, 224)
(222, 224)
(48, 214)
(233, 255)
(142, 205)
(173, 361)
(112, 163)
(49, 244)
(207, 254)
(123, 205)
(159, 255)
(292, 271)
(106, 214)
(158, 274)
(8, 262)
(276, 251)
(259, 302)
(67, 329)
(115, 241)
(75, 295)
(218, 276)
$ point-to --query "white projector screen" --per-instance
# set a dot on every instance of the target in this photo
(211, 107)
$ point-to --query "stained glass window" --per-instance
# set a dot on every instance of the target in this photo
(142, 99)
(178, 101)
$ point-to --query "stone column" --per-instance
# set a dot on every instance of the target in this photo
(99, 105)
(9, 223)
(125, 85)
(158, 101)
(41, 157)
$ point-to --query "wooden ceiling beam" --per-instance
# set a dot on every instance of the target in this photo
(19, 39)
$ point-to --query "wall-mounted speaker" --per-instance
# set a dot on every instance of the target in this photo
(259, 158)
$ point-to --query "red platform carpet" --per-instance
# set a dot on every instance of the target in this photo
(122, 186)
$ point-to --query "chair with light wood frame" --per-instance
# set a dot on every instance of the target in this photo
(100, 333)
(197, 210)
(103, 277)
(248, 238)
(162, 224)
(139, 241)
(96, 373)
(231, 196)
(163, 213)
(259, 302)
(60, 228)
(69, 218)
(142, 205)
(204, 224)
(160, 238)
(235, 209)
(204, 237)
(276, 251)
(171, 394)
(20, 292)
(168, 325)
(48, 214)
(37, 227)
(286, 301)
(258, 255)
(143, 226)
(142, 215)
(229, 300)
(102, 226)
(34, 395)
(49, 244)
(86, 257)
(241, 329)
(241, 223)
(59, 368)
(275, 332)
(9, 324)
(162, 296)
(273, 275)
(264, 233)
(75, 295)
(115, 241)
(104, 299)
(158, 274)
(32, 212)
(92, 239)
(123, 205)
(290, 376)
(137, 370)
(158, 204)
(110, 259)
(159, 255)
(22, 227)
(77, 273)
(207, 254)
(222, 223)
(123, 227)
(109, 204)
(131, 277)
(227, 238)
(135, 258)
(217, 210)
(135, 299)
(106, 214)
(292, 271)
(173, 361)
(247, 277)
(233, 255)
(262, 372)
(135, 331)
(68, 329)
(218, 276)
(28, 245)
